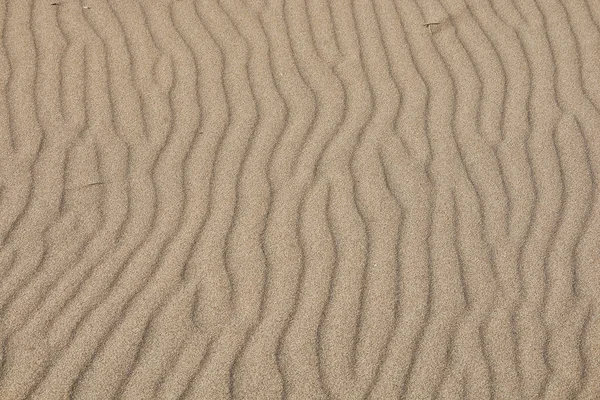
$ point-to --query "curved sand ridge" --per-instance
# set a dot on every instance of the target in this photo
(301, 199)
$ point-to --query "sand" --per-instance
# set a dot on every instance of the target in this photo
(300, 199)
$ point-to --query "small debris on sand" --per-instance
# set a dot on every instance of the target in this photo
(429, 24)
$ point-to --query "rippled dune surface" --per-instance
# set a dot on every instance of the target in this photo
(299, 199)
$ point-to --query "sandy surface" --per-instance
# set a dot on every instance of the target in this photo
(301, 199)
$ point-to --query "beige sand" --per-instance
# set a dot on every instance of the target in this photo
(300, 199)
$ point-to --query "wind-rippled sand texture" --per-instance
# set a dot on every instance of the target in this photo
(300, 199)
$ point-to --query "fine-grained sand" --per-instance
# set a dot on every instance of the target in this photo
(300, 199)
